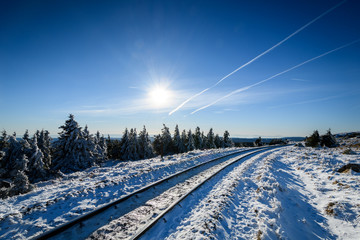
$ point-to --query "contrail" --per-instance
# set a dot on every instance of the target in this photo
(257, 57)
(276, 75)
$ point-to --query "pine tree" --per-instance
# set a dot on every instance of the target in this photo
(157, 145)
(227, 140)
(15, 157)
(166, 140)
(37, 169)
(131, 152)
(26, 136)
(100, 147)
(217, 141)
(198, 139)
(74, 148)
(183, 141)
(14, 163)
(190, 141)
(145, 146)
(21, 183)
(113, 148)
(87, 145)
(210, 139)
(44, 144)
(178, 144)
(3, 140)
(124, 143)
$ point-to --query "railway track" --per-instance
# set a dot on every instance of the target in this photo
(122, 212)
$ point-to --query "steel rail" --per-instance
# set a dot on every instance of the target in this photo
(147, 227)
(79, 220)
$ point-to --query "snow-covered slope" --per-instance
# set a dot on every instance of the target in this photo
(289, 193)
(57, 201)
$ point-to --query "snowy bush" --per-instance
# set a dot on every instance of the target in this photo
(313, 140)
(328, 140)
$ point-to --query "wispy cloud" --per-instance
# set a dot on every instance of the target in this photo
(306, 102)
(259, 56)
(276, 75)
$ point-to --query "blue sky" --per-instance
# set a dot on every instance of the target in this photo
(117, 64)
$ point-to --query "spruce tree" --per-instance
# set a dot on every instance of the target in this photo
(190, 141)
(198, 139)
(124, 143)
(217, 141)
(178, 144)
(157, 145)
(26, 136)
(210, 139)
(183, 141)
(145, 146)
(3, 140)
(73, 150)
(37, 169)
(166, 140)
(44, 144)
(100, 147)
(14, 163)
(227, 140)
(131, 150)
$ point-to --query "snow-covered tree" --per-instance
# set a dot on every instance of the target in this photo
(20, 184)
(218, 141)
(190, 145)
(227, 140)
(210, 139)
(3, 140)
(36, 169)
(26, 136)
(14, 163)
(15, 157)
(131, 151)
(74, 148)
(44, 144)
(87, 147)
(157, 145)
(124, 143)
(113, 148)
(166, 140)
(145, 146)
(198, 139)
(184, 140)
(177, 141)
(100, 147)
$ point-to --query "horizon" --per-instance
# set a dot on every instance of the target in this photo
(279, 69)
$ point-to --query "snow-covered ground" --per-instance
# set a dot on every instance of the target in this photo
(55, 202)
(291, 193)
(288, 193)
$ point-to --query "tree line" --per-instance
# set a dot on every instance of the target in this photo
(31, 159)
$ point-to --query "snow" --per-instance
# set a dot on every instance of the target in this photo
(63, 199)
(286, 193)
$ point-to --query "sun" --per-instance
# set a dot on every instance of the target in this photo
(160, 96)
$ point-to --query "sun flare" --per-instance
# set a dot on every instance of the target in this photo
(160, 96)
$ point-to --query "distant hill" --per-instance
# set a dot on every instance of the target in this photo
(265, 140)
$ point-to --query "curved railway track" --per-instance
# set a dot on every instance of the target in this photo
(83, 226)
